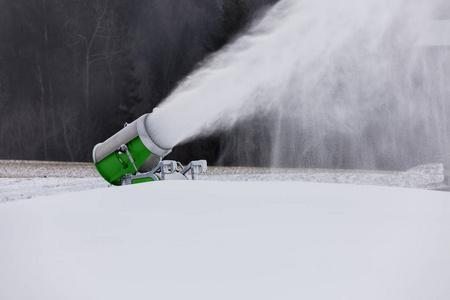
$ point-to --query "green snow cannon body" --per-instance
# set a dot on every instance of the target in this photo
(131, 156)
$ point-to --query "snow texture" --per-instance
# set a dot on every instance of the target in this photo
(437, 33)
(28, 179)
(227, 240)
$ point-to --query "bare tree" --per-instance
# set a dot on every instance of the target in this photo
(5, 142)
(40, 86)
(100, 39)
(26, 133)
(70, 134)
(4, 91)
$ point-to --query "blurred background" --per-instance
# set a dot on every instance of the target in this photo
(73, 72)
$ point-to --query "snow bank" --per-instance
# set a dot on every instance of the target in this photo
(227, 240)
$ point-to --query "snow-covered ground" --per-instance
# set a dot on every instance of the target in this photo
(227, 240)
(27, 179)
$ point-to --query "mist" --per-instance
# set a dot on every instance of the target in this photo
(321, 83)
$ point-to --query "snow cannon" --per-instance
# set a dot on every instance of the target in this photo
(132, 156)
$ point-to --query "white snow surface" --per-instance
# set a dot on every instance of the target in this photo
(227, 240)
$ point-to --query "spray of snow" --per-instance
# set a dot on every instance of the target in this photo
(340, 82)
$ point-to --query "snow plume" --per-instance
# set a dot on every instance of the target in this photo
(333, 83)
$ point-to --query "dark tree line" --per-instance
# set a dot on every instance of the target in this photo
(72, 72)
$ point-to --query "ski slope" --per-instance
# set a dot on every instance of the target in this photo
(227, 240)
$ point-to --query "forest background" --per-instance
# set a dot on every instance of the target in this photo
(72, 72)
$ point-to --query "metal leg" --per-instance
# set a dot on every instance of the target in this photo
(196, 167)
(167, 167)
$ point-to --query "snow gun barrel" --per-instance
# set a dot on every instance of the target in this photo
(132, 156)
(130, 151)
